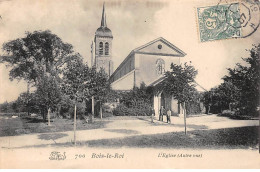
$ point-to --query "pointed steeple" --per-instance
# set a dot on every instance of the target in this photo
(103, 30)
(103, 20)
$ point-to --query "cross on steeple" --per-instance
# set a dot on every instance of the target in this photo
(103, 20)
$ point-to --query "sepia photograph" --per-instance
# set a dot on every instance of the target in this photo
(129, 84)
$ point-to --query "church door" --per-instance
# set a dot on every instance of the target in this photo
(163, 100)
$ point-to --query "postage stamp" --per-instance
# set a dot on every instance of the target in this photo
(225, 21)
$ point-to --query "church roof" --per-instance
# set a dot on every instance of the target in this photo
(103, 30)
(180, 53)
(159, 80)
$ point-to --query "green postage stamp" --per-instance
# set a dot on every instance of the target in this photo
(225, 21)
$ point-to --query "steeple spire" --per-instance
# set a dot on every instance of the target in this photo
(103, 20)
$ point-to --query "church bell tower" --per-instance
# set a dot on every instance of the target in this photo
(103, 46)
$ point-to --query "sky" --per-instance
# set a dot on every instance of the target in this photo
(133, 23)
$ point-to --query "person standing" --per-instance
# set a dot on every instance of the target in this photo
(161, 114)
(169, 114)
(152, 114)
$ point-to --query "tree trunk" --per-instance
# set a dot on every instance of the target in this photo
(93, 106)
(28, 92)
(58, 111)
(49, 120)
(43, 114)
(101, 113)
(152, 117)
(75, 123)
(185, 126)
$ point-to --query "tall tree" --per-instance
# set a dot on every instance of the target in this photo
(48, 95)
(75, 76)
(240, 89)
(179, 82)
(36, 54)
(222, 97)
(38, 57)
(81, 83)
(99, 87)
(246, 78)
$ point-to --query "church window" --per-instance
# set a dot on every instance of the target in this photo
(160, 66)
(106, 48)
(160, 46)
(101, 48)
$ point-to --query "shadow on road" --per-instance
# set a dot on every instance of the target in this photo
(163, 123)
(229, 138)
(51, 136)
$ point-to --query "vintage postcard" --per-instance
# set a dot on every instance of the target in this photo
(129, 84)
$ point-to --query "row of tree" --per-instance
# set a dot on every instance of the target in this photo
(57, 73)
(62, 80)
(240, 90)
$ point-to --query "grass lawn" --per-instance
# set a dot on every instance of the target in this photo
(27, 125)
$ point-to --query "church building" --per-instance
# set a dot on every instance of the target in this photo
(145, 64)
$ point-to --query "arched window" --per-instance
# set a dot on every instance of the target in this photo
(106, 48)
(160, 65)
(101, 48)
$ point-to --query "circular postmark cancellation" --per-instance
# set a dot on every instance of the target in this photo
(224, 21)
(246, 17)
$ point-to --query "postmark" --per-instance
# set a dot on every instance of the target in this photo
(225, 21)
(250, 17)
